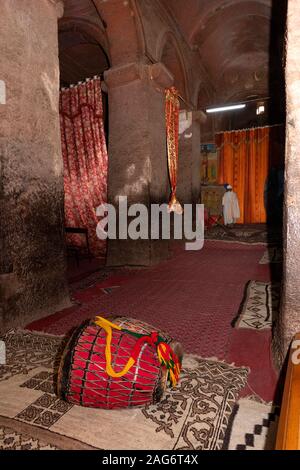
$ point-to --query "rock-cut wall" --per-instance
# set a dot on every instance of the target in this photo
(288, 323)
(32, 258)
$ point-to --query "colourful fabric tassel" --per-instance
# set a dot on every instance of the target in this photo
(165, 354)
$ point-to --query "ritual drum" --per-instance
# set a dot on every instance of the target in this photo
(117, 362)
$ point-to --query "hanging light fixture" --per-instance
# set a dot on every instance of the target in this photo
(226, 108)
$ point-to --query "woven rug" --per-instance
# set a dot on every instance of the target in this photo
(253, 426)
(259, 308)
(272, 255)
(194, 415)
(246, 233)
(241, 233)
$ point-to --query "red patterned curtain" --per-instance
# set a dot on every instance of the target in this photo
(85, 158)
(172, 125)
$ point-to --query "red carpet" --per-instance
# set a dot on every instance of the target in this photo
(194, 296)
(253, 348)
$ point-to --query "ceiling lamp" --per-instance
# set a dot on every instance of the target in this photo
(226, 108)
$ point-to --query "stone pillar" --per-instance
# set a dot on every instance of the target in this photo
(289, 322)
(189, 157)
(32, 260)
(185, 156)
(196, 160)
(137, 151)
(201, 118)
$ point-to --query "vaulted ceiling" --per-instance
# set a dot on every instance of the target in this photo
(81, 55)
(239, 43)
(233, 39)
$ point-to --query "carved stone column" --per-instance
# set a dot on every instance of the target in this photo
(185, 157)
(137, 151)
(32, 264)
(198, 117)
(189, 157)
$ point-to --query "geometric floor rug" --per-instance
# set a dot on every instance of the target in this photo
(242, 234)
(253, 426)
(194, 415)
(259, 307)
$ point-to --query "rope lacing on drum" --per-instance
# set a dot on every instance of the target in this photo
(165, 354)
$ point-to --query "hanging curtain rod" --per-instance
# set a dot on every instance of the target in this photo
(101, 76)
(250, 128)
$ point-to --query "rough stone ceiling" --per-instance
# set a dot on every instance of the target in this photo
(80, 8)
(232, 38)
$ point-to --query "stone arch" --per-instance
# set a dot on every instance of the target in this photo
(203, 96)
(82, 45)
(197, 88)
(85, 26)
(169, 53)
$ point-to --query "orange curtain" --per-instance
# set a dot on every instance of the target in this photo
(258, 168)
(172, 125)
(244, 163)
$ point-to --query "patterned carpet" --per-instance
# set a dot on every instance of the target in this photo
(253, 234)
(253, 426)
(260, 305)
(194, 296)
(194, 415)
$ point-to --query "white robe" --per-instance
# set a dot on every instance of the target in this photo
(231, 209)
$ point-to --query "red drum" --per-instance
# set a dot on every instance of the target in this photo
(83, 378)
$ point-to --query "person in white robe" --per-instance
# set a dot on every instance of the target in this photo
(231, 208)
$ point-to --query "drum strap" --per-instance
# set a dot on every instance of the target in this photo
(165, 353)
